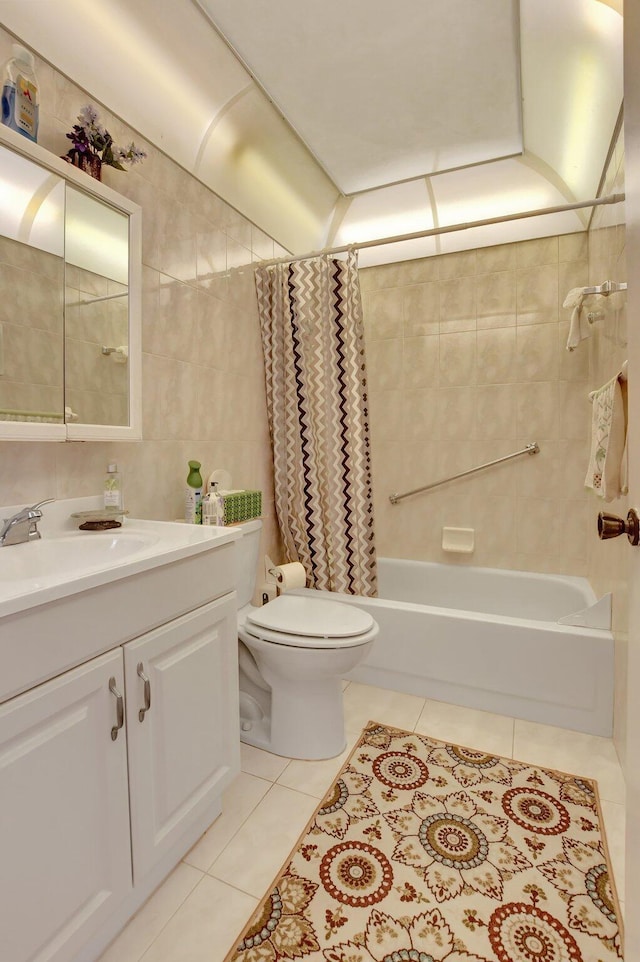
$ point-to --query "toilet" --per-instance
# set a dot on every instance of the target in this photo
(293, 652)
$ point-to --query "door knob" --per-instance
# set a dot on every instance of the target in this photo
(611, 526)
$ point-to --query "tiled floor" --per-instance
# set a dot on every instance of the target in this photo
(201, 907)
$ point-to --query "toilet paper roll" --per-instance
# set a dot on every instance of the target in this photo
(289, 576)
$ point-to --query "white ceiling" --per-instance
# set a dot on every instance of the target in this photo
(477, 109)
(380, 99)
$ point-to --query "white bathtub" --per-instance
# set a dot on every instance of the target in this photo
(491, 639)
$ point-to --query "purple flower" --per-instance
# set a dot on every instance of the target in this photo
(89, 136)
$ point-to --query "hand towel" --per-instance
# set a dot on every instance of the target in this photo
(579, 327)
(607, 473)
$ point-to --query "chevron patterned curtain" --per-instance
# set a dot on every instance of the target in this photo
(313, 342)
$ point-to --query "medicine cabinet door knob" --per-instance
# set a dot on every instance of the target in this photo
(611, 526)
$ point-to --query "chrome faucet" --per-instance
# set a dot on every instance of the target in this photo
(22, 526)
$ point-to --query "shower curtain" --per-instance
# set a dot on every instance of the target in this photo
(313, 343)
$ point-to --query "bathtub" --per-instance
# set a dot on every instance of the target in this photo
(535, 646)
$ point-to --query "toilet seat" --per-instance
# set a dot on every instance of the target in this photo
(310, 623)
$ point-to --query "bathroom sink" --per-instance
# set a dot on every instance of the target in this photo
(37, 561)
(65, 560)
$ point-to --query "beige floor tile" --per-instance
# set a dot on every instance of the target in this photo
(153, 916)
(573, 752)
(363, 703)
(205, 926)
(314, 778)
(254, 761)
(254, 855)
(239, 800)
(467, 727)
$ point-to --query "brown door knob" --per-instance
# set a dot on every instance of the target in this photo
(611, 526)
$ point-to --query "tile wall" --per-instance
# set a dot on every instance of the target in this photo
(467, 362)
(203, 380)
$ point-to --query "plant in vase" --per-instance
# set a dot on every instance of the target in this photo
(94, 146)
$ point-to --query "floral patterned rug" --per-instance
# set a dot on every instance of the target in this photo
(422, 851)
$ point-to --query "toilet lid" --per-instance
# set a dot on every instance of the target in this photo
(295, 615)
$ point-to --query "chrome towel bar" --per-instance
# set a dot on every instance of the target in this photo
(529, 449)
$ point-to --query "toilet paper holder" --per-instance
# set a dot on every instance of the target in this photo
(275, 574)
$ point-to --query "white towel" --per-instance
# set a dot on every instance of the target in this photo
(579, 327)
(607, 471)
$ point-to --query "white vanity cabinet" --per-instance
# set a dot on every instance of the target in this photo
(111, 769)
(64, 813)
(184, 751)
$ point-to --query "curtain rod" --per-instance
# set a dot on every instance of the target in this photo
(436, 231)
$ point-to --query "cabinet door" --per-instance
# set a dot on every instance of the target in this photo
(64, 813)
(185, 748)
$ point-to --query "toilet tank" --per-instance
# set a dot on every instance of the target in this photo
(247, 556)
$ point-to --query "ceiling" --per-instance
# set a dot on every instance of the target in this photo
(329, 123)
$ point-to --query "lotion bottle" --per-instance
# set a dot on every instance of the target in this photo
(211, 505)
(20, 97)
(113, 488)
(193, 495)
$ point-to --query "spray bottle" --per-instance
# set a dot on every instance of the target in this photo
(193, 495)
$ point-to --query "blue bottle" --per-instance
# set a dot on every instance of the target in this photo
(20, 96)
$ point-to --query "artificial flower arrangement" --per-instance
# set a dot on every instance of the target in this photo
(93, 142)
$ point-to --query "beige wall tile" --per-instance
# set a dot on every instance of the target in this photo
(458, 304)
(496, 411)
(421, 365)
(496, 356)
(384, 364)
(496, 299)
(420, 309)
(457, 413)
(534, 253)
(537, 294)
(573, 247)
(499, 258)
(382, 314)
(461, 264)
(457, 359)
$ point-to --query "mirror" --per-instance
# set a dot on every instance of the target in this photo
(70, 267)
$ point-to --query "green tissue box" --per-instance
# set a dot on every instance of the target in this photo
(240, 506)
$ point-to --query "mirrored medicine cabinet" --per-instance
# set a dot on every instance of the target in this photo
(70, 301)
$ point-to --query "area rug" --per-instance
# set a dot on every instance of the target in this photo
(423, 851)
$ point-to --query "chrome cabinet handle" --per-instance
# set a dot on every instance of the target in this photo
(147, 692)
(119, 709)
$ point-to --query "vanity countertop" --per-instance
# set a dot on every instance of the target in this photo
(66, 561)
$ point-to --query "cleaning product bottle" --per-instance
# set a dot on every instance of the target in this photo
(113, 488)
(193, 495)
(20, 98)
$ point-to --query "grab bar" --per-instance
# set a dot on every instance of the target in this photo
(530, 449)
